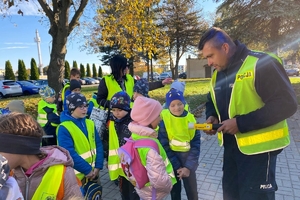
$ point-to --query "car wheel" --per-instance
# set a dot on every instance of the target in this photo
(297, 74)
(26, 93)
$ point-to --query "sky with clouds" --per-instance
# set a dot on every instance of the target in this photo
(17, 35)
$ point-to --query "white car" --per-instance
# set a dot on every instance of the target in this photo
(155, 76)
(9, 88)
(165, 75)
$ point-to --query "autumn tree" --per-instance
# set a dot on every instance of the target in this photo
(62, 21)
(82, 70)
(22, 74)
(94, 71)
(130, 26)
(88, 70)
(67, 70)
(34, 72)
(9, 73)
(184, 26)
(276, 30)
(100, 73)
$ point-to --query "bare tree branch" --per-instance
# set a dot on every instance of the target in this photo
(77, 15)
(46, 8)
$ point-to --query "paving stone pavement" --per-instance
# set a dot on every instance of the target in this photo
(209, 172)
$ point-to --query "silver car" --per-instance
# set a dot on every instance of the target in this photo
(9, 88)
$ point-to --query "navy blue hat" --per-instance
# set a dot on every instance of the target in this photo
(74, 84)
(75, 100)
(120, 100)
(141, 86)
(174, 95)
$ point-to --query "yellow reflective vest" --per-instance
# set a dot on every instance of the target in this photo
(114, 164)
(244, 100)
(42, 115)
(179, 134)
(67, 86)
(143, 156)
(51, 181)
(113, 87)
(85, 147)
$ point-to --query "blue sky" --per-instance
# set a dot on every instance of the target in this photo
(17, 35)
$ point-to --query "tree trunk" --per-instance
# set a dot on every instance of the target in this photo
(57, 58)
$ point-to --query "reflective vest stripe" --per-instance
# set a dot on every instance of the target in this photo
(113, 152)
(77, 172)
(114, 167)
(114, 164)
(42, 115)
(51, 181)
(88, 154)
(42, 121)
(267, 136)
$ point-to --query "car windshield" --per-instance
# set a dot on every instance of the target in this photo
(9, 83)
(26, 83)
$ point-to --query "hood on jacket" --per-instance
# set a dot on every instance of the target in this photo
(56, 155)
(142, 130)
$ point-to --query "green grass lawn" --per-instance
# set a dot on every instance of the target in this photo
(195, 94)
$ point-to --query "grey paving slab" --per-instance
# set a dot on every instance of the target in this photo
(209, 172)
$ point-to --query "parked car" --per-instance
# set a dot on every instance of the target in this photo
(292, 71)
(95, 80)
(31, 81)
(182, 75)
(165, 75)
(82, 82)
(98, 78)
(88, 81)
(28, 88)
(10, 88)
(155, 76)
(41, 82)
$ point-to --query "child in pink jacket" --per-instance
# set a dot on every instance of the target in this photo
(146, 116)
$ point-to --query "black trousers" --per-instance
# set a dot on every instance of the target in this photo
(127, 190)
(190, 186)
(248, 177)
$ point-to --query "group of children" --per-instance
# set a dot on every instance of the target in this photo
(175, 159)
(179, 147)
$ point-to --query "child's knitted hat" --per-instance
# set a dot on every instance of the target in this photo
(174, 95)
(178, 85)
(74, 84)
(120, 100)
(145, 110)
(75, 100)
(46, 92)
(141, 86)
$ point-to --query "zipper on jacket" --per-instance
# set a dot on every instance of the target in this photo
(27, 188)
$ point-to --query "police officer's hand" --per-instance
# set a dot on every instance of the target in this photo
(229, 126)
(183, 172)
(211, 120)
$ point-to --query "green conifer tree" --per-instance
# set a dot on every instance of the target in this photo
(94, 71)
(67, 70)
(82, 70)
(34, 72)
(75, 64)
(22, 74)
(9, 73)
(100, 74)
(88, 70)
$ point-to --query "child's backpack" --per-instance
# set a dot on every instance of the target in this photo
(131, 163)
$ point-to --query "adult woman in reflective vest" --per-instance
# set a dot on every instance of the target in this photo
(42, 173)
(120, 80)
